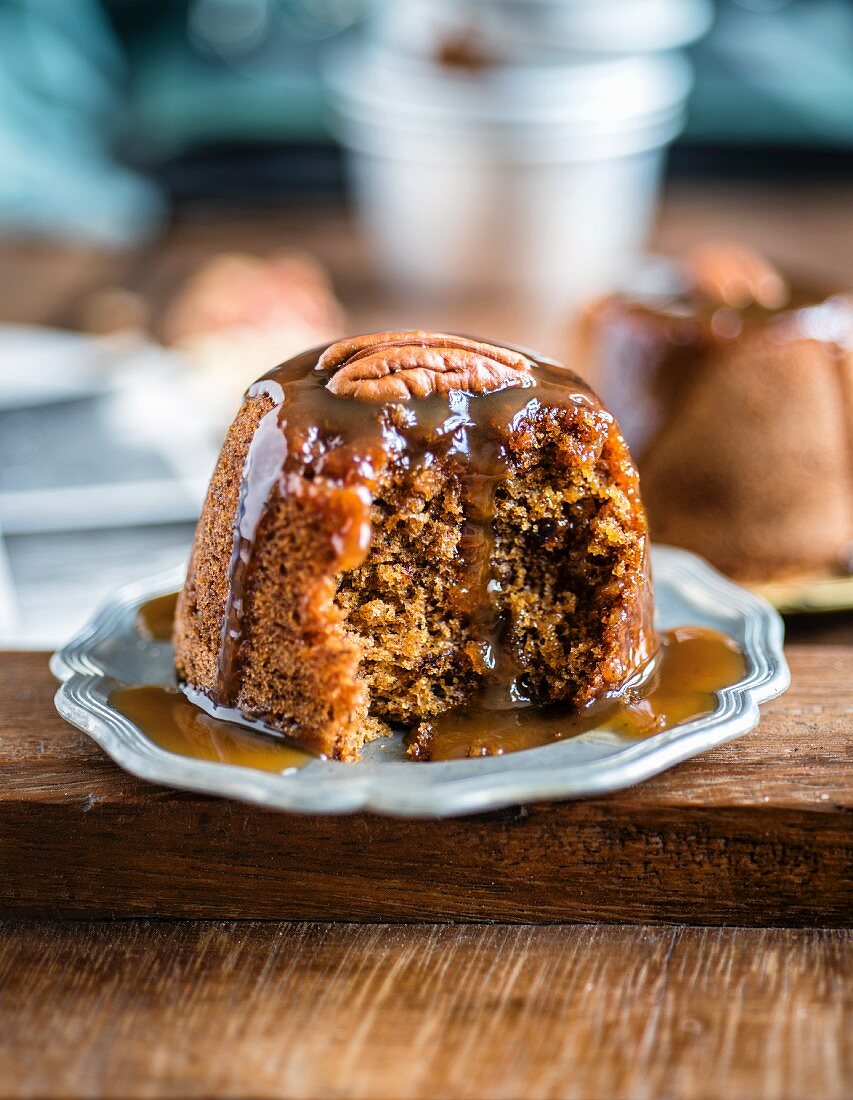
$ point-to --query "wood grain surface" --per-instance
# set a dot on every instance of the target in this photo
(757, 832)
(161, 1009)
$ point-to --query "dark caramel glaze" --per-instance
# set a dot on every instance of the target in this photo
(678, 685)
(167, 717)
(310, 433)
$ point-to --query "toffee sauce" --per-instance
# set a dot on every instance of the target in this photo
(156, 617)
(678, 686)
(167, 717)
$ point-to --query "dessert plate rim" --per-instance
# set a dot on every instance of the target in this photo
(593, 764)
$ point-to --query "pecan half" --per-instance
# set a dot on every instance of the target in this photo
(398, 366)
(735, 275)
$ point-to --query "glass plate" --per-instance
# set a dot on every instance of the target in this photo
(111, 652)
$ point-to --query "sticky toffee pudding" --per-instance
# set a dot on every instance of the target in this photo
(417, 530)
(406, 524)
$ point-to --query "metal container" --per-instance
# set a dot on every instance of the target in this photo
(537, 179)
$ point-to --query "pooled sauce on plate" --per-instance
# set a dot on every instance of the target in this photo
(691, 665)
(170, 720)
(156, 617)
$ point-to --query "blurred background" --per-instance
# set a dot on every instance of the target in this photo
(194, 190)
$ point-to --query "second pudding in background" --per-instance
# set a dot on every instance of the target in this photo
(734, 389)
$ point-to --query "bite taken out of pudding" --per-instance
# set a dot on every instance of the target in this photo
(407, 523)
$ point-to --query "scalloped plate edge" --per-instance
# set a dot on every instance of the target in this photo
(445, 795)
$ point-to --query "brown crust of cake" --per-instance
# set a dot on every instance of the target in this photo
(298, 665)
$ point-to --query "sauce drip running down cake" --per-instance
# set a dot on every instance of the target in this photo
(405, 524)
(735, 393)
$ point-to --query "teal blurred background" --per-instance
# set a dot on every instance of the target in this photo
(110, 110)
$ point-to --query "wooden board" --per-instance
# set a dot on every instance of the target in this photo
(756, 833)
(196, 1009)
